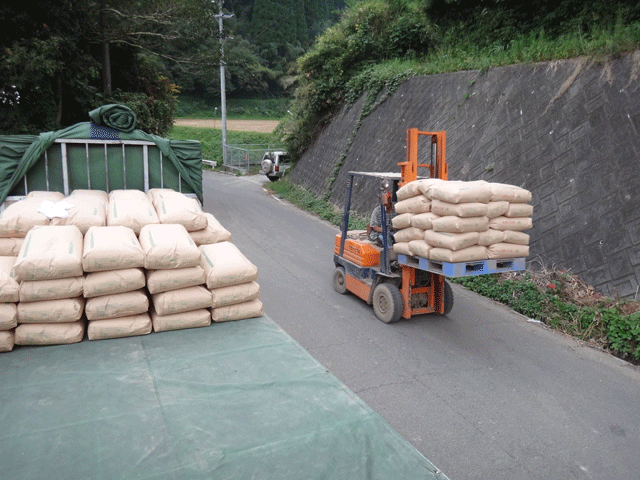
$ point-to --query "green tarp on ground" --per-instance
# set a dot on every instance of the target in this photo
(19, 153)
(238, 400)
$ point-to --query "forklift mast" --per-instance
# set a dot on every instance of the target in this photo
(438, 167)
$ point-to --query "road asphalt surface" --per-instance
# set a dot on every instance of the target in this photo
(483, 393)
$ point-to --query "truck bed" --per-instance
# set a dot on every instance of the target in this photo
(235, 400)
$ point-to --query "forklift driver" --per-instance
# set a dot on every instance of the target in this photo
(374, 229)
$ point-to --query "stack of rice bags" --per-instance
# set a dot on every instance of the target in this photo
(231, 279)
(117, 304)
(175, 207)
(9, 296)
(49, 269)
(174, 278)
(454, 221)
(20, 217)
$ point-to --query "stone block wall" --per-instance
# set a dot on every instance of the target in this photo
(566, 130)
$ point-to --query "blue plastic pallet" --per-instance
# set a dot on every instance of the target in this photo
(464, 269)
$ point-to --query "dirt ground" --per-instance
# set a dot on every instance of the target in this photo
(262, 126)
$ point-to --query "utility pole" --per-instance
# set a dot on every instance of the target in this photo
(223, 95)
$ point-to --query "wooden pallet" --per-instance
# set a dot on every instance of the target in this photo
(464, 269)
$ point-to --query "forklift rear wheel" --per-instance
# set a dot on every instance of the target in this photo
(387, 303)
(448, 299)
(339, 280)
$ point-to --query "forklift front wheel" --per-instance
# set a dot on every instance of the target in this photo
(387, 303)
(339, 280)
(448, 299)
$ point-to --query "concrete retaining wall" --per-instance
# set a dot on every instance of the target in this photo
(566, 130)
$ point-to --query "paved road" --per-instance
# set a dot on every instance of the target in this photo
(483, 393)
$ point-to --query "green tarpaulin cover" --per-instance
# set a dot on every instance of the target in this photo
(19, 153)
(237, 400)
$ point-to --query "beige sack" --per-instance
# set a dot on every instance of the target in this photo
(112, 282)
(111, 248)
(491, 236)
(10, 247)
(465, 255)
(424, 221)
(50, 333)
(402, 221)
(50, 253)
(519, 210)
(8, 316)
(168, 247)
(419, 248)
(94, 194)
(118, 305)
(20, 217)
(408, 234)
(132, 213)
(179, 321)
(177, 208)
(157, 193)
(213, 233)
(41, 195)
(402, 248)
(518, 238)
(507, 250)
(183, 300)
(460, 225)
(517, 224)
(9, 288)
(64, 310)
(419, 204)
(164, 280)
(87, 211)
(462, 192)
(224, 296)
(417, 187)
(459, 209)
(7, 341)
(497, 209)
(119, 327)
(451, 241)
(225, 265)
(509, 193)
(426, 185)
(39, 290)
(238, 311)
(135, 195)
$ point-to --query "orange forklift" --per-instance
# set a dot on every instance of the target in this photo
(396, 290)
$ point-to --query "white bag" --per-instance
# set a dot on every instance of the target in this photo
(20, 217)
(519, 210)
(177, 208)
(509, 193)
(10, 247)
(424, 221)
(408, 234)
(132, 213)
(460, 225)
(518, 238)
(402, 221)
(8, 316)
(402, 248)
(517, 224)
(491, 236)
(168, 247)
(462, 192)
(465, 255)
(87, 211)
(459, 209)
(418, 204)
(497, 209)
(419, 248)
(507, 250)
(50, 253)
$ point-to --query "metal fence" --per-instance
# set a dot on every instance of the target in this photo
(247, 155)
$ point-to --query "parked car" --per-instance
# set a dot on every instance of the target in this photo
(273, 164)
